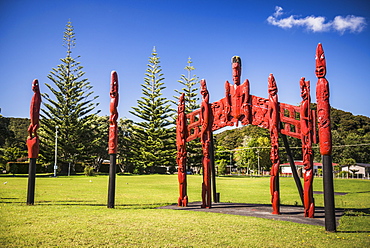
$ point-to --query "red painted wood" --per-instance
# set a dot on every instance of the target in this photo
(113, 127)
(33, 139)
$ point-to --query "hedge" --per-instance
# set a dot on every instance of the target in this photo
(22, 168)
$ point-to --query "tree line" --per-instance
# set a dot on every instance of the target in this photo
(149, 145)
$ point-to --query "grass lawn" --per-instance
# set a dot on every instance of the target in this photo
(71, 211)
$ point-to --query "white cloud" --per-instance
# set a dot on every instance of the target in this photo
(351, 23)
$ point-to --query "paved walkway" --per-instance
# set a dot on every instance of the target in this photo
(288, 213)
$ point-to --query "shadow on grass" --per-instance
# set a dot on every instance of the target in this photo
(86, 203)
(357, 211)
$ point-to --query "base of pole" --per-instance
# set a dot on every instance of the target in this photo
(31, 182)
(112, 180)
(327, 168)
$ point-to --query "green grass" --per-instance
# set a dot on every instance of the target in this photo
(71, 211)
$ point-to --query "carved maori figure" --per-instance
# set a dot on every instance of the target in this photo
(181, 135)
(228, 103)
(236, 104)
(113, 127)
(274, 122)
(306, 137)
(236, 69)
(245, 104)
(33, 139)
(323, 105)
(206, 143)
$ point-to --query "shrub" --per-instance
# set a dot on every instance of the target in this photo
(12, 168)
(343, 174)
(22, 168)
(89, 171)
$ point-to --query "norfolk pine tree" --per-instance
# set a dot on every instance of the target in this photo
(154, 134)
(190, 89)
(71, 107)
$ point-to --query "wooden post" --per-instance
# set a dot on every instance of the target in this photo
(323, 114)
(113, 138)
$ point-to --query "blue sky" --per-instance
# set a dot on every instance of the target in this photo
(278, 37)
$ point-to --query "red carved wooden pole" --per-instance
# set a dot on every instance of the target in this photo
(274, 123)
(113, 127)
(206, 145)
(307, 132)
(323, 114)
(236, 69)
(245, 107)
(33, 140)
(113, 137)
(181, 135)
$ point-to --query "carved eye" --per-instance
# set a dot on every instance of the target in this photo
(315, 57)
(322, 56)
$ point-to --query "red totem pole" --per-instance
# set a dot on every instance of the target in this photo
(181, 135)
(113, 139)
(274, 122)
(205, 136)
(323, 105)
(307, 135)
(33, 140)
(113, 128)
(237, 107)
(323, 113)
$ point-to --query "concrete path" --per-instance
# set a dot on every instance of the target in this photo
(288, 213)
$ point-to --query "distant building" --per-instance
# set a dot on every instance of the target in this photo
(287, 170)
(360, 170)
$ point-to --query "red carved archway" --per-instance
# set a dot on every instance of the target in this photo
(238, 106)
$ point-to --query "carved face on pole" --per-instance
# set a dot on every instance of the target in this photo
(114, 89)
(236, 68)
(272, 87)
(305, 88)
(35, 86)
(203, 88)
(320, 62)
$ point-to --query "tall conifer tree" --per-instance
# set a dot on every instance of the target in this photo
(154, 133)
(190, 88)
(71, 107)
(190, 84)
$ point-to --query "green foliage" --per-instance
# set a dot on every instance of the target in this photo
(190, 88)
(13, 153)
(154, 135)
(13, 132)
(12, 168)
(5, 132)
(344, 174)
(190, 84)
(231, 139)
(19, 127)
(22, 168)
(89, 171)
(221, 166)
(254, 154)
(70, 107)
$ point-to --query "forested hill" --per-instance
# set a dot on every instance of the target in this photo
(13, 132)
(350, 133)
(351, 137)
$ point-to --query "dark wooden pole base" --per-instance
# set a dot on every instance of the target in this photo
(31, 182)
(330, 222)
(112, 180)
